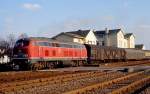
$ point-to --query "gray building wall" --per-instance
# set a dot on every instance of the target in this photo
(113, 40)
(64, 38)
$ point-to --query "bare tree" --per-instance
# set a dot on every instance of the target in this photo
(4, 46)
(11, 40)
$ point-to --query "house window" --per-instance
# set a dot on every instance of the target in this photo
(97, 43)
(90, 42)
(101, 35)
(103, 43)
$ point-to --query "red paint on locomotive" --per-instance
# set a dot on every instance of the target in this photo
(54, 50)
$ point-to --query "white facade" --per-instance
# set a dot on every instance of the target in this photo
(117, 40)
(78, 40)
(120, 39)
(125, 43)
(4, 59)
(91, 38)
(131, 42)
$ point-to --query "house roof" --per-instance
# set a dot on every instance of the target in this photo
(77, 34)
(139, 46)
(68, 34)
(73, 35)
(82, 33)
(110, 31)
(127, 35)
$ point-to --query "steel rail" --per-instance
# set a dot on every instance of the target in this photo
(103, 85)
(131, 88)
(44, 81)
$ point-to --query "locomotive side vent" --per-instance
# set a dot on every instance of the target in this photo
(46, 53)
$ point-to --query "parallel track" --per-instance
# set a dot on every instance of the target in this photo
(85, 82)
(6, 77)
(128, 63)
(56, 85)
(123, 85)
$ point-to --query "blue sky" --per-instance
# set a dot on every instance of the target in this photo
(47, 18)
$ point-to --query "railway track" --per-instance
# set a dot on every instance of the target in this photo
(123, 85)
(94, 82)
(145, 90)
(56, 85)
(73, 82)
(7, 77)
(24, 84)
(129, 63)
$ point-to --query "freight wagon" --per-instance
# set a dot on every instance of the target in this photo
(104, 54)
(147, 54)
(134, 54)
(112, 54)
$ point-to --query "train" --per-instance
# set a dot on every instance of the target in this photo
(40, 52)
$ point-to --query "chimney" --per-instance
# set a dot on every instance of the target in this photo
(106, 41)
(106, 30)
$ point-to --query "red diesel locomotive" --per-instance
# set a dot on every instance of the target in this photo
(38, 53)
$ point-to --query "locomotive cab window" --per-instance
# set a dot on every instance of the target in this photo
(42, 44)
(22, 43)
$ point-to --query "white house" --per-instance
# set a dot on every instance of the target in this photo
(115, 38)
(130, 40)
(80, 36)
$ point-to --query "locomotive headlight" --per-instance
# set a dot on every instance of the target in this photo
(28, 60)
(15, 55)
(25, 55)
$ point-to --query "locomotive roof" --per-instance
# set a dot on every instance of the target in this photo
(51, 40)
(41, 38)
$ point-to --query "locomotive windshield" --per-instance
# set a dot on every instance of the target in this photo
(22, 43)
